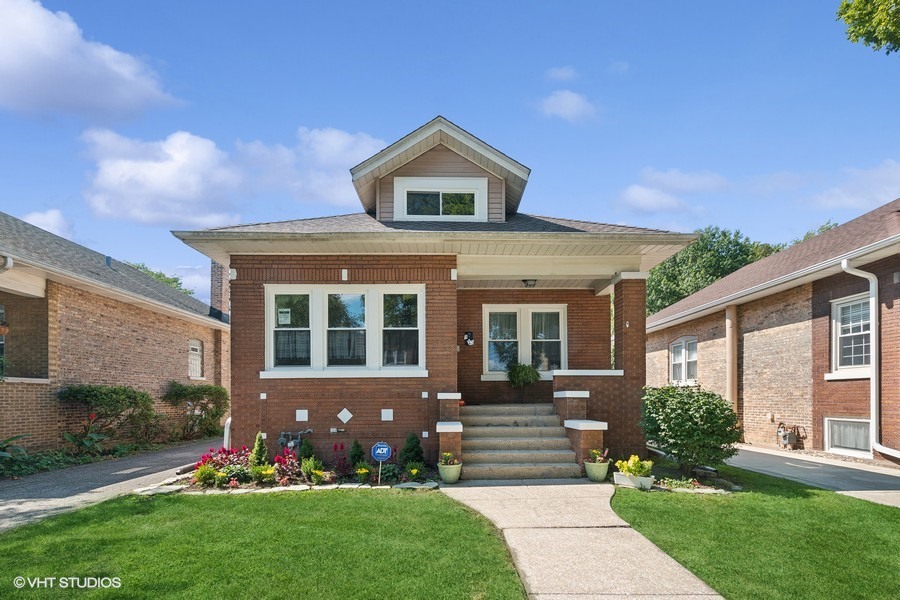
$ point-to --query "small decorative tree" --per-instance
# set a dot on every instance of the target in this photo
(306, 449)
(521, 375)
(697, 427)
(411, 452)
(356, 453)
(260, 455)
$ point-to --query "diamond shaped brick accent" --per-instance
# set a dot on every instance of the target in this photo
(345, 415)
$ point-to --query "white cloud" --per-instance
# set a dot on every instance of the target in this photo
(864, 188)
(562, 73)
(617, 67)
(568, 105)
(648, 199)
(181, 180)
(316, 168)
(47, 66)
(51, 220)
(677, 181)
(194, 278)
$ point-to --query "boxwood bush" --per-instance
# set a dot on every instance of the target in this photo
(114, 410)
(695, 426)
(202, 408)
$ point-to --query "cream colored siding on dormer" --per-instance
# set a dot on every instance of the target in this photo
(441, 162)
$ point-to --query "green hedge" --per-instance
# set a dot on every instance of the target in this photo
(202, 407)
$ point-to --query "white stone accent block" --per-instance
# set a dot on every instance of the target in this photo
(387, 414)
(302, 415)
(345, 415)
(572, 394)
(449, 396)
(449, 427)
(585, 425)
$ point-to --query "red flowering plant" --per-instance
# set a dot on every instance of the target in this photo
(287, 468)
(343, 470)
(89, 440)
(223, 457)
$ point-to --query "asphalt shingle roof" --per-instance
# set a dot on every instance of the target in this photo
(874, 226)
(33, 245)
(366, 223)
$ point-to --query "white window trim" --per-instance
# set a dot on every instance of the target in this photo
(476, 185)
(318, 324)
(838, 372)
(845, 451)
(683, 340)
(195, 343)
(523, 332)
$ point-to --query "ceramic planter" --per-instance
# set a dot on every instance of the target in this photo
(450, 473)
(641, 483)
(596, 471)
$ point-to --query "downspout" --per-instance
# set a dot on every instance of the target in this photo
(731, 356)
(875, 377)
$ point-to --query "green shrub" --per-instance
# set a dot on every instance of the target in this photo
(357, 455)
(696, 427)
(205, 475)
(390, 473)
(202, 408)
(306, 449)
(114, 409)
(260, 455)
(263, 474)
(312, 469)
(415, 470)
(520, 375)
(239, 472)
(221, 479)
(411, 452)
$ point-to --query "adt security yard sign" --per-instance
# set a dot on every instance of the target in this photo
(381, 451)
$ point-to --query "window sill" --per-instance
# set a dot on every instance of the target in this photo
(36, 380)
(848, 374)
(685, 383)
(197, 378)
(545, 376)
(850, 452)
(589, 372)
(338, 373)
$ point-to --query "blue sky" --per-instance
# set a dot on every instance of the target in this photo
(121, 121)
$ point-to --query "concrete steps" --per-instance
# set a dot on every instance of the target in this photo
(515, 441)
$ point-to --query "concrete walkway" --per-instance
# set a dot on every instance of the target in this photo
(43, 494)
(567, 542)
(869, 482)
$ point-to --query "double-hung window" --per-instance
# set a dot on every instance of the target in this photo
(195, 359)
(683, 361)
(851, 335)
(526, 333)
(345, 331)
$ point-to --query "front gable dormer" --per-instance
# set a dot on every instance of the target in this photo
(440, 173)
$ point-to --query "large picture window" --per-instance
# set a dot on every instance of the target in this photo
(350, 331)
(440, 198)
(530, 334)
(683, 361)
(851, 335)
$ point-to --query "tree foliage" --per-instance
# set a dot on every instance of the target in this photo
(875, 23)
(173, 281)
(715, 254)
(697, 427)
(827, 225)
(201, 407)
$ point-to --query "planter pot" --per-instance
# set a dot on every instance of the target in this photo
(641, 483)
(450, 473)
(596, 471)
(4, 329)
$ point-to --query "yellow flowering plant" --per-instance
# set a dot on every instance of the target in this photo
(635, 466)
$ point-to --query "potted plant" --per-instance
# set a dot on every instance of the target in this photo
(634, 473)
(449, 467)
(521, 375)
(597, 466)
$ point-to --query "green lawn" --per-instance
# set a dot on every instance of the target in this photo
(329, 544)
(777, 539)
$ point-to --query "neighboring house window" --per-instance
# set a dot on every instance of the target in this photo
(847, 436)
(683, 361)
(531, 334)
(440, 198)
(851, 336)
(195, 359)
(347, 330)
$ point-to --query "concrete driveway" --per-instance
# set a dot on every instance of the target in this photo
(869, 482)
(44, 494)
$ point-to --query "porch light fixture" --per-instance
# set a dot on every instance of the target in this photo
(529, 283)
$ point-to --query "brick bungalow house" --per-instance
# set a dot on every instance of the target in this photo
(374, 325)
(76, 316)
(809, 336)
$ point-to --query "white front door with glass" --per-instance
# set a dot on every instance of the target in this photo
(532, 334)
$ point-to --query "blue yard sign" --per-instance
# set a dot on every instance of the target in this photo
(381, 451)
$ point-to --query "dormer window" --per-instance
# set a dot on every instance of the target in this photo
(440, 198)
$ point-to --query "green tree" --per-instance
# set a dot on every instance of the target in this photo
(875, 23)
(829, 224)
(716, 253)
(173, 281)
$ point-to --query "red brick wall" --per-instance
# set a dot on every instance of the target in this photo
(324, 398)
(25, 348)
(96, 340)
(588, 339)
(851, 398)
(710, 334)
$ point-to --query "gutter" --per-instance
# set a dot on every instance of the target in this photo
(875, 341)
(736, 297)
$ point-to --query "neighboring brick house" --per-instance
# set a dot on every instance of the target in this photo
(372, 325)
(793, 339)
(76, 316)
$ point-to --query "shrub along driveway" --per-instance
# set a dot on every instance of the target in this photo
(43, 494)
